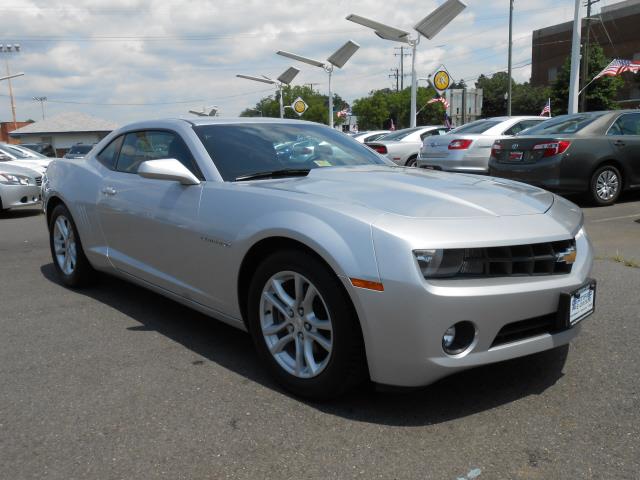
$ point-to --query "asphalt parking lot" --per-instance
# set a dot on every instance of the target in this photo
(115, 382)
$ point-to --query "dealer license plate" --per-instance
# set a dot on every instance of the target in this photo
(581, 303)
(515, 156)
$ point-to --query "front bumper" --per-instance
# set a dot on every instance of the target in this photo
(403, 326)
(15, 196)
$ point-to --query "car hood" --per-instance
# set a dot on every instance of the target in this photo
(413, 192)
(18, 168)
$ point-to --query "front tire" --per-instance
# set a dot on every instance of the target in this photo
(412, 162)
(605, 185)
(304, 326)
(69, 260)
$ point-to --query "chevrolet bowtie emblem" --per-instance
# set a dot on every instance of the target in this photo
(567, 256)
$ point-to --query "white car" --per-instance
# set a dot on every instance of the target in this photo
(371, 135)
(19, 186)
(25, 157)
(467, 148)
(402, 146)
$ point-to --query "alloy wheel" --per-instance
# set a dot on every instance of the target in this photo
(64, 245)
(296, 324)
(607, 185)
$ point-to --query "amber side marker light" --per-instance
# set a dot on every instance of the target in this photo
(357, 282)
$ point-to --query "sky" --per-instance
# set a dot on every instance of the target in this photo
(127, 60)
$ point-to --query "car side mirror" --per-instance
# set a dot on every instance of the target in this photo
(167, 169)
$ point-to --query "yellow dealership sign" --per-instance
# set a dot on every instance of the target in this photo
(299, 106)
(441, 80)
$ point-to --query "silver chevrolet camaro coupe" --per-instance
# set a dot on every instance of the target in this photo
(342, 266)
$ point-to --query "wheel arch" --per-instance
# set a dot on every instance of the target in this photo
(262, 249)
(52, 202)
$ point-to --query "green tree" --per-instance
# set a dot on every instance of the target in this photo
(317, 111)
(526, 99)
(380, 105)
(601, 94)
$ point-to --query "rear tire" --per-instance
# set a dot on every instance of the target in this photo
(412, 162)
(605, 185)
(298, 310)
(69, 260)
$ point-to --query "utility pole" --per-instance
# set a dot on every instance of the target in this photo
(585, 56)
(42, 100)
(395, 75)
(401, 55)
(574, 78)
(311, 85)
(510, 51)
(8, 49)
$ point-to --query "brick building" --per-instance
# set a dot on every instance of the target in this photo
(6, 127)
(618, 34)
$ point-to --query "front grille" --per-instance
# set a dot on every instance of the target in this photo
(548, 258)
(522, 329)
(39, 181)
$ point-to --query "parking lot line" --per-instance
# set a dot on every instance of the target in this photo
(615, 218)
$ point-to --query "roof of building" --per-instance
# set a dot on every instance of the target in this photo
(67, 123)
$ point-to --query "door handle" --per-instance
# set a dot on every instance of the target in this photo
(619, 143)
(109, 191)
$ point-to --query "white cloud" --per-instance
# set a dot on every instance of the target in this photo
(159, 51)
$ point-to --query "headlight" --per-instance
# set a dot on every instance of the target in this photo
(440, 263)
(10, 179)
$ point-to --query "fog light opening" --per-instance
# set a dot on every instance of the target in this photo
(458, 338)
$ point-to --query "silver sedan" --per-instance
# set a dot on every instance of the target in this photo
(342, 266)
(467, 148)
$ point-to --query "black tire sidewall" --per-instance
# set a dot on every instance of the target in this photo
(345, 367)
(83, 273)
(412, 162)
(592, 186)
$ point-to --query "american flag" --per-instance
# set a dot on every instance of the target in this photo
(345, 112)
(618, 66)
(441, 100)
(547, 109)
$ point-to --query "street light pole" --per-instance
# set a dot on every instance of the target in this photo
(284, 79)
(428, 27)
(414, 81)
(575, 60)
(337, 59)
(509, 69)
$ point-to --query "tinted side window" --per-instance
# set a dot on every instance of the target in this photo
(628, 124)
(153, 145)
(109, 154)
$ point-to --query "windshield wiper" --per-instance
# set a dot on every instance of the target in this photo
(286, 172)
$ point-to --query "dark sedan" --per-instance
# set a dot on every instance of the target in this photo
(594, 152)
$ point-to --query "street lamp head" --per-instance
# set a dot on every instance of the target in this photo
(288, 75)
(299, 58)
(343, 54)
(430, 25)
(257, 79)
(383, 31)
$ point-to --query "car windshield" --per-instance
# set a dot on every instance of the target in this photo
(249, 148)
(479, 126)
(400, 134)
(26, 153)
(11, 152)
(80, 149)
(563, 124)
